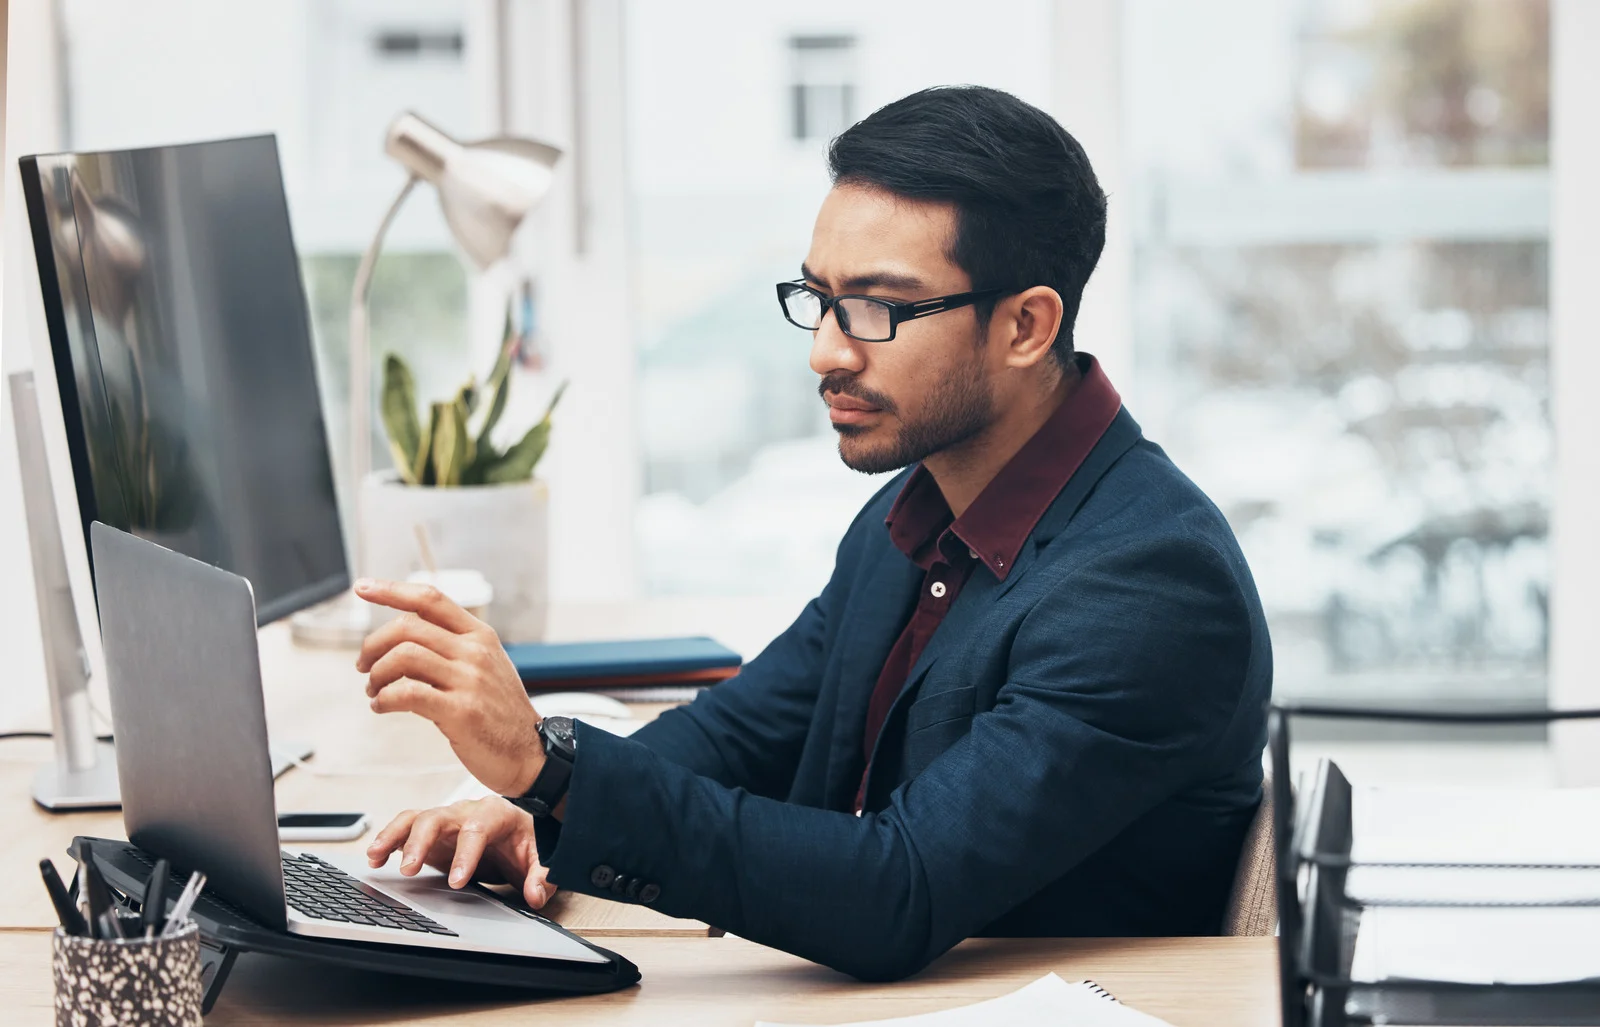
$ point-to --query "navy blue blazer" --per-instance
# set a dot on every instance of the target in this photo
(1077, 752)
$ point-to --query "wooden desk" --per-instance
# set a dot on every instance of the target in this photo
(315, 696)
(1190, 982)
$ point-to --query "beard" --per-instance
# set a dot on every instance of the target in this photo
(958, 409)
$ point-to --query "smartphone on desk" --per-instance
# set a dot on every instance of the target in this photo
(321, 827)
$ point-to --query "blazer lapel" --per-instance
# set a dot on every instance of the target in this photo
(879, 607)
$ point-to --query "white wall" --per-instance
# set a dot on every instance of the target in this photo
(31, 126)
(1575, 375)
(1088, 101)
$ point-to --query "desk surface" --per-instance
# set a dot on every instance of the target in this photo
(709, 982)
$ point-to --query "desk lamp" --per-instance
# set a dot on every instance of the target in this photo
(485, 189)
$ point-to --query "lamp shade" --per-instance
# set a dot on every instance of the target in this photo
(485, 188)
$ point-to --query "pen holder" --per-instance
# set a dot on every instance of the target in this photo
(150, 982)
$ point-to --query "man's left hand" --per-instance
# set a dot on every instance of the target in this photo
(438, 661)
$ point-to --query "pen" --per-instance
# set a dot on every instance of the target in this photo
(180, 909)
(99, 897)
(109, 928)
(153, 910)
(71, 919)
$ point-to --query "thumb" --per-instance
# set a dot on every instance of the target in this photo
(536, 887)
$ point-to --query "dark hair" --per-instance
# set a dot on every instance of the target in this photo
(1029, 210)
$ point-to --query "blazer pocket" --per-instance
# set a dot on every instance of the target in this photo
(939, 708)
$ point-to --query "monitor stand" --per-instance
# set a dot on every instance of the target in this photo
(59, 788)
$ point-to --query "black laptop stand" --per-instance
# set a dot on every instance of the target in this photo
(226, 931)
(1318, 922)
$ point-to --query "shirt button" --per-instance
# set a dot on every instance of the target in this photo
(602, 876)
(972, 553)
(938, 590)
(649, 893)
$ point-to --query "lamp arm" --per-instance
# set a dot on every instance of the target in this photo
(361, 377)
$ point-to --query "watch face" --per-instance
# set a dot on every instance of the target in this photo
(558, 736)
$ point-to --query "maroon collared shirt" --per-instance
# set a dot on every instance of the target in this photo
(991, 532)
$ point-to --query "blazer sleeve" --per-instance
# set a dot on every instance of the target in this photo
(747, 732)
(1085, 737)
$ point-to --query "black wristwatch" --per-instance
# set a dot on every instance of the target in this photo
(560, 752)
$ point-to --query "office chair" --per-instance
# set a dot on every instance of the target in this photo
(1252, 909)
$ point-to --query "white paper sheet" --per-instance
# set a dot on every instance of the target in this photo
(1485, 945)
(1478, 946)
(1474, 825)
(1047, 1002)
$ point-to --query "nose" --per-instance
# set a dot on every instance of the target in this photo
(833, 350)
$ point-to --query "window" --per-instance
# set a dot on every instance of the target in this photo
(1341, 323)
(823, 93)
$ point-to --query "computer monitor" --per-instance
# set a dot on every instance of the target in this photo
(182, 351)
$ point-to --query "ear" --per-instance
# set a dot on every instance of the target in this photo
(1028, 322)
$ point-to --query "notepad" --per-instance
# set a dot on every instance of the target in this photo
(623, 664)
(1047, 1002)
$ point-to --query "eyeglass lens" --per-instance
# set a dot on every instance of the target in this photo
(864, 319)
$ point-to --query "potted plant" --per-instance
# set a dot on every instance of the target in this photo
(479, 507)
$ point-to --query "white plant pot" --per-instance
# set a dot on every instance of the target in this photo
(501, 531)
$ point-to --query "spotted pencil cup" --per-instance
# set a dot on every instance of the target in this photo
(152, 983)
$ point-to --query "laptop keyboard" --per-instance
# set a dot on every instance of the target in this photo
(317, 888)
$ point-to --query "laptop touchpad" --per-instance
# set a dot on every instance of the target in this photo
(429, 893)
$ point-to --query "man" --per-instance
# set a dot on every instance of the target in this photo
(1029, 701)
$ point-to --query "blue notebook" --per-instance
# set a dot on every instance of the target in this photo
(632, 663)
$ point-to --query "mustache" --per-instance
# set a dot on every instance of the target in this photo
(846, 385)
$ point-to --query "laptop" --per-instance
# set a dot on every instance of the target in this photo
(192, 756)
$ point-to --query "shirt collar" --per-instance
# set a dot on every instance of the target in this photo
(1005, 513)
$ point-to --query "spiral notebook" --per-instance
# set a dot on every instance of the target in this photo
(1047, 1001)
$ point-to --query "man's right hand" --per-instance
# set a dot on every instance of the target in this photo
(489, 840)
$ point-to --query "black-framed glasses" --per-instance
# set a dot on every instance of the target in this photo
(867, 318)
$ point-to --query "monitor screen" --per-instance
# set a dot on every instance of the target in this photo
(182, 350)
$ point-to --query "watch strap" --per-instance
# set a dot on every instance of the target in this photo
(550, 787)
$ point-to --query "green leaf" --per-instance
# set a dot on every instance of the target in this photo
(499, 386)
(399, 409)
(450, 440)
(519, 461)
(561, 390)
(484, 456)
(462, 411)
(425, 472)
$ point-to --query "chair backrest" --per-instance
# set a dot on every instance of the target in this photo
(1253, 905)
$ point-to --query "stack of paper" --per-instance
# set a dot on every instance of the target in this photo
(1047, 1002)
(1548, 841)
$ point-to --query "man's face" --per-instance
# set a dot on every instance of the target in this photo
(927, 389)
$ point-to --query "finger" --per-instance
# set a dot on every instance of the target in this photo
(471, 839)
(407, 628)
(424, 833)
(387, 840)
(417, 662)
(537, 889)
(425, 601)
(406, 696)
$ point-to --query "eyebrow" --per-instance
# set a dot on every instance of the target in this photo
(871, 280)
